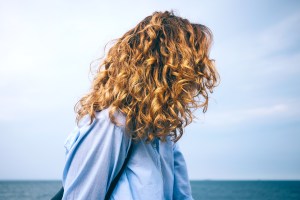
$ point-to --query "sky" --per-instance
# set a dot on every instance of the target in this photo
(251, 129)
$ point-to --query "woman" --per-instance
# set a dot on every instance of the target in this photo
(142, 94)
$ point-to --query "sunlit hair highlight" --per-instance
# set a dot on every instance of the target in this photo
(154, 74)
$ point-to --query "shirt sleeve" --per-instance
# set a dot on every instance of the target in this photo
(182, 188)
(94, 160)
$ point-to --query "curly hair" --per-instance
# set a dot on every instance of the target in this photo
(153, 75)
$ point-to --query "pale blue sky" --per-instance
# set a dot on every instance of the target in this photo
(250, 131)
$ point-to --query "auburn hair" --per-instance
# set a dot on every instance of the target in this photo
(154, 74)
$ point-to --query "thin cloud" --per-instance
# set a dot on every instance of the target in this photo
(257, 114)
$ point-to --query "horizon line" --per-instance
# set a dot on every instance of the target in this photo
(58, 180)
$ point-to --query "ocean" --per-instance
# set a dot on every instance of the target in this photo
(202, 190)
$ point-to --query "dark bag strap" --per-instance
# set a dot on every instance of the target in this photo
(116, 179)
(113, 184)
(59, 194)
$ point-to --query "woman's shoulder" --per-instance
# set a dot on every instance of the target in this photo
(103, 115)
(118, 115)
(101, 128)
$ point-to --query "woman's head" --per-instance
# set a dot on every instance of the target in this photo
(154, 74)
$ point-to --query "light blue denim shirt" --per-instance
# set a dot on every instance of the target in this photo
(95, 153)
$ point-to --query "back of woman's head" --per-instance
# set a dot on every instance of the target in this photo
(154, 74)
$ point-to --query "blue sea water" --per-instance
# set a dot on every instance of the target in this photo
(207, 190)
(252, 190)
